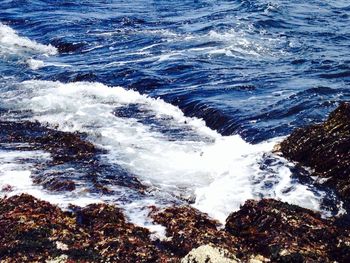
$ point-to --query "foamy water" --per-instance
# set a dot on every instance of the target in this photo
(179, 159)
(218, 172)
(16, 47)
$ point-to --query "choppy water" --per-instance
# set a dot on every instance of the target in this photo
(189, 97)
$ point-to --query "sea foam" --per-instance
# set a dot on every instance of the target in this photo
(20, 48)
(173, 155)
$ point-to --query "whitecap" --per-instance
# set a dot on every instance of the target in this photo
(14, 47)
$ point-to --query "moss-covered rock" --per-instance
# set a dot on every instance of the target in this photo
(63, 146)
(34, 231)
(262, 231)
(325, 148)
(188, 228)
(288, 233)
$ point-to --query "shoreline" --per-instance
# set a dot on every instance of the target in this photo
(261, 231)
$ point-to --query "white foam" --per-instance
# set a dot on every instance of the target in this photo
(220, 172)
(16, 170)
(240, 44)
(35, 64)
(19, 47)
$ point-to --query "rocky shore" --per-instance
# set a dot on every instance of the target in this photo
(268, 230)
(32, 230)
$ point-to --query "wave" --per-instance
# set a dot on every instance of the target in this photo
(173, 155)
(15, 47)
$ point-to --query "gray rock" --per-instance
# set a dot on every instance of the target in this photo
(209, 254)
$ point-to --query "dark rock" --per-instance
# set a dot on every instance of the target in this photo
(34, 231)
(7, 188)
(325, 148)
(188, 228)
(73, 158)
(288, 233)
(66, 47)
(29, 229)
(56, 184)
(63, 146)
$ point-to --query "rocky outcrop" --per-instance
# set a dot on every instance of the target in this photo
(325, 148)
(288, 233)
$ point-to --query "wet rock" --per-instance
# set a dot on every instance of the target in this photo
(7, 188)
(188, 228)
(121, 240)
(262, 231)
(66, 47)
(209, 254)
(63, 146)
(56, 184)
(29, 228)
(73, 159)
(325, 148)
(35, 231)
(288, 233)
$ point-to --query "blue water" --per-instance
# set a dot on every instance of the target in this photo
(258, 69)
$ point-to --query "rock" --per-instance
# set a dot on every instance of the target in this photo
(7, 188)
(59, 259)
(73, 160)
(288, 233)
(35, 231)
(29, 229)
(66, 47)
(63, 146)
(56, 184)
(262, 231)
(325, 148)
(258, 259)
(188, 228)
(209, 254)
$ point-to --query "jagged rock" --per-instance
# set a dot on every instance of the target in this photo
(188, 228)
(209, 254)
(325, 148)
(29, 229)
(288, 233)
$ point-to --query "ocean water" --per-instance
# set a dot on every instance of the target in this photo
(187, 97)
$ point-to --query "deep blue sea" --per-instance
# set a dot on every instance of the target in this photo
(187, 96)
